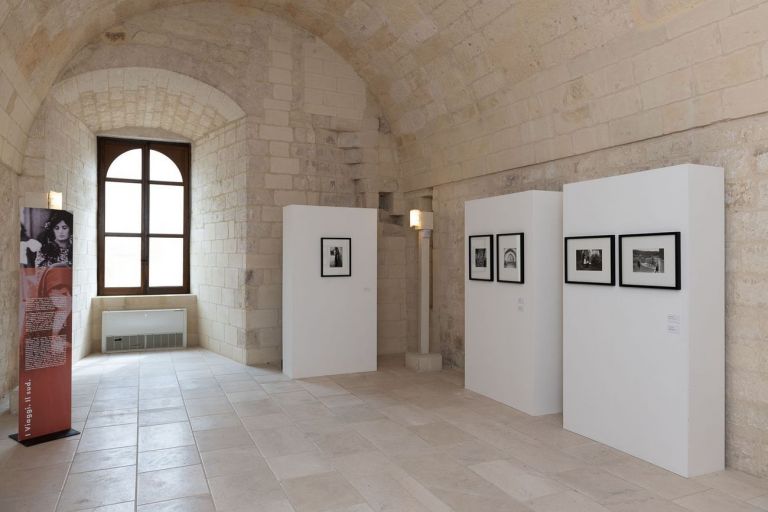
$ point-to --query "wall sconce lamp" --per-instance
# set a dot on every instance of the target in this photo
(55, 200)
(421, 220)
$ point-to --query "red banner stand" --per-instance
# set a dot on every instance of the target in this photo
(45, 326)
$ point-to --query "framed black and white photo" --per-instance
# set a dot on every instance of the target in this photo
(510, 258)
(481, 258)
(589, 260)
(650, 260)
(336, 257)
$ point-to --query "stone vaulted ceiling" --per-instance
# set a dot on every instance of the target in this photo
(469, 87)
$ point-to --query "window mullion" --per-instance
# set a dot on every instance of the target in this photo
(145, 218)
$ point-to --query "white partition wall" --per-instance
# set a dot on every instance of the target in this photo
(329, 323)
(513, 336)
(643, 368)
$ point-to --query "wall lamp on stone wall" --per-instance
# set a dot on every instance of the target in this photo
(421, 220)
(55, 200)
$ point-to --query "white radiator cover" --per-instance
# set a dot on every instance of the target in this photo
(145, 329)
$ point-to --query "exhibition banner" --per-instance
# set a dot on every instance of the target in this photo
(45, 325)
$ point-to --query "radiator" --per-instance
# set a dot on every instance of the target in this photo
(148, 329)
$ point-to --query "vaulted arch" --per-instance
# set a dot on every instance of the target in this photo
(110, 99)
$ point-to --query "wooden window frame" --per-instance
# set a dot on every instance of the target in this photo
(108, 149)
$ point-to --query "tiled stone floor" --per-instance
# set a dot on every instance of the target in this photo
(191, 431)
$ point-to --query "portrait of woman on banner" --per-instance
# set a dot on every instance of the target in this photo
(46, 241)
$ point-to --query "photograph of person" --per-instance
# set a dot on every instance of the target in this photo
(46, 238)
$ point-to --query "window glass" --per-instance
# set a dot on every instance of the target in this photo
(122, 208)
(143, 220)
(166, 209)
(127, 166)
(162, 168)
(122, 262)
(166, 262)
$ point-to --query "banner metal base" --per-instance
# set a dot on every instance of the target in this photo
(44, 439)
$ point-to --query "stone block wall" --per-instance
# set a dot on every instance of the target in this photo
(310, 133)
(9, 277)
(218, 238)
(61, 156)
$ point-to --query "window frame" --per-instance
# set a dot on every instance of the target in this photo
(108, 149)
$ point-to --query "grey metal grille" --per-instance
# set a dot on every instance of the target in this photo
(145, 342)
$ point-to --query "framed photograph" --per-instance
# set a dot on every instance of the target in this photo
(335, 257)
(510, 258)
(481, 258)
(589, 260)
(650, 260)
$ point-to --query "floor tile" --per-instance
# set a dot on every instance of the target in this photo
(37, 502)
(654, 479)
(109, 418)
(319, 493)
(298, 465)
(383, 492)
(715, 501)
(245, 491)
(161, 416)
(168, 458)
(440, 433)
(516, 480)
(221, 438)
(567, 501)
(207, 405)
(736, 483)
(214, 421)
(98, 488)
(169, 484)
(596, 483)
(25, 457)
(266, 421)
(22, 482)
(169, 435)
(342, 443)
(282, 441)
(104, 459)
(233, 461)
(202, 503)
(103, 438)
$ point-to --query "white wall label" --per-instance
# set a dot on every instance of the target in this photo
(673, 324)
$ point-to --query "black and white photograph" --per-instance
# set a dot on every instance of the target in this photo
(481, 258)
(589, 260)
(510, 258)
(336, 257)
(650, 260)
(46, 238)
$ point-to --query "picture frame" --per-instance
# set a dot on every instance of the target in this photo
(481, 257)
(590, 260)
(510, 258)
(650, 260)
(335, 257)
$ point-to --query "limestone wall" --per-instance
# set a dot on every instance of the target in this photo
(9, 277)
(61, 156)
(303, 130)
(217, 242)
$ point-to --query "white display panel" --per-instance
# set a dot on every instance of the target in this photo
(513, 343)
(329, 323)
(643, 368)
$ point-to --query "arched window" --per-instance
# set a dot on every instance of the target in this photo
(143, 217)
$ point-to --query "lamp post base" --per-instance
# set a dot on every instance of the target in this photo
(418, 362)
